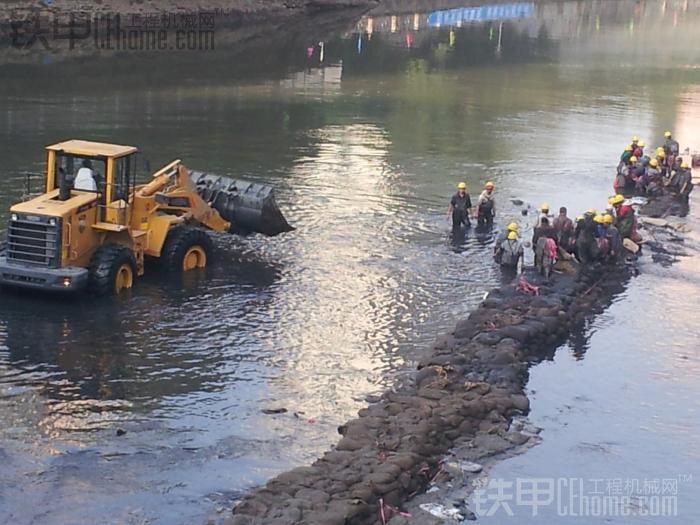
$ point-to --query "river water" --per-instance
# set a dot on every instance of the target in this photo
(364, 148)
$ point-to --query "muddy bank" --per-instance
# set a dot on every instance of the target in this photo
(465, 393)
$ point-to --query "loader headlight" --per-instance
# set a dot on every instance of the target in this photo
(52, 222)
(14, 217)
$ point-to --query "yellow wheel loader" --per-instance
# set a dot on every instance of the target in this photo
(93, 227)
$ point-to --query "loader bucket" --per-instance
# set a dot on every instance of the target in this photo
(249, 207)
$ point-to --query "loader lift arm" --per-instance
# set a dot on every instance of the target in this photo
(176, 193)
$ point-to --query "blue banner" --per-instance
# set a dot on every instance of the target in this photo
(484, 13)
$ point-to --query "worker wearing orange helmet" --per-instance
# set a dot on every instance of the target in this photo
(486, 205)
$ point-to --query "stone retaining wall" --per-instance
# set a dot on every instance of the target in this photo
(467, 390)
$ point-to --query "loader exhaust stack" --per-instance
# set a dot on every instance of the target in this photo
(249, 207)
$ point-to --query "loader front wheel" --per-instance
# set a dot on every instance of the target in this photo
(186, 249)
(111, 270)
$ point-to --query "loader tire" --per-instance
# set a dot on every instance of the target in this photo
(112, 270)
(186, 248)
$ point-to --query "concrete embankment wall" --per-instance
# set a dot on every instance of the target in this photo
(465, 392)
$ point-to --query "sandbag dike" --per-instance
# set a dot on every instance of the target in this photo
(465, 392)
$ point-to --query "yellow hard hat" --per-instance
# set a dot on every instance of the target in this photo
(654, 163)
(685, 165)
(628, 148)
(579, 218)
(544, 207)
(512, 236)
(607, 218)
(661, 154)
(667, 134)
(489, 184)
(461, 186)
(633, 159)
(635, 139)
(590, 211)
(641, 144)
(617, 199)
(599, 219)
(512, 227)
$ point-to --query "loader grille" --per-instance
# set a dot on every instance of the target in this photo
(35, 240)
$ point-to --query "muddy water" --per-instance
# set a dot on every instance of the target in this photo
(365, 149)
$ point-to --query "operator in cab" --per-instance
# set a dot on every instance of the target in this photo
(85, 177)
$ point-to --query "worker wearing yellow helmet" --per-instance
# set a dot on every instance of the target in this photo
(662, 162)
(502, 236)
(510, 252)
(614, 238)
(671, 146)
(685, 181)
(486, 206)
(625, 218)
(626, 154)
(651, 180)
(460, 208)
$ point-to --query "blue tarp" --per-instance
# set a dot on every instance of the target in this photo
(484, 13)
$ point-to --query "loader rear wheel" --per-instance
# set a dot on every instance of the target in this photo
(186, 249)
(111, 270)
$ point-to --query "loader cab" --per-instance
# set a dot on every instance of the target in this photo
(107, 170)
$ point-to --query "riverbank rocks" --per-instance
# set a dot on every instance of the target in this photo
(465, 393)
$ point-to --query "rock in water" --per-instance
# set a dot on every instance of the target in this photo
(269, 411)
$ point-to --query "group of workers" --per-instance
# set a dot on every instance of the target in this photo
(591, 237)
(642, 174)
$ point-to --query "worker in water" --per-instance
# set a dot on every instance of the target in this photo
(543, 214)
(502, 236)
(511, 251)
(585, 237)
(671, 146)
(614, 238)
(565, 229)
(460, 207)
(673, 181)
(544, 244)
(626, 221)
(486, 206)
(685, 181)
